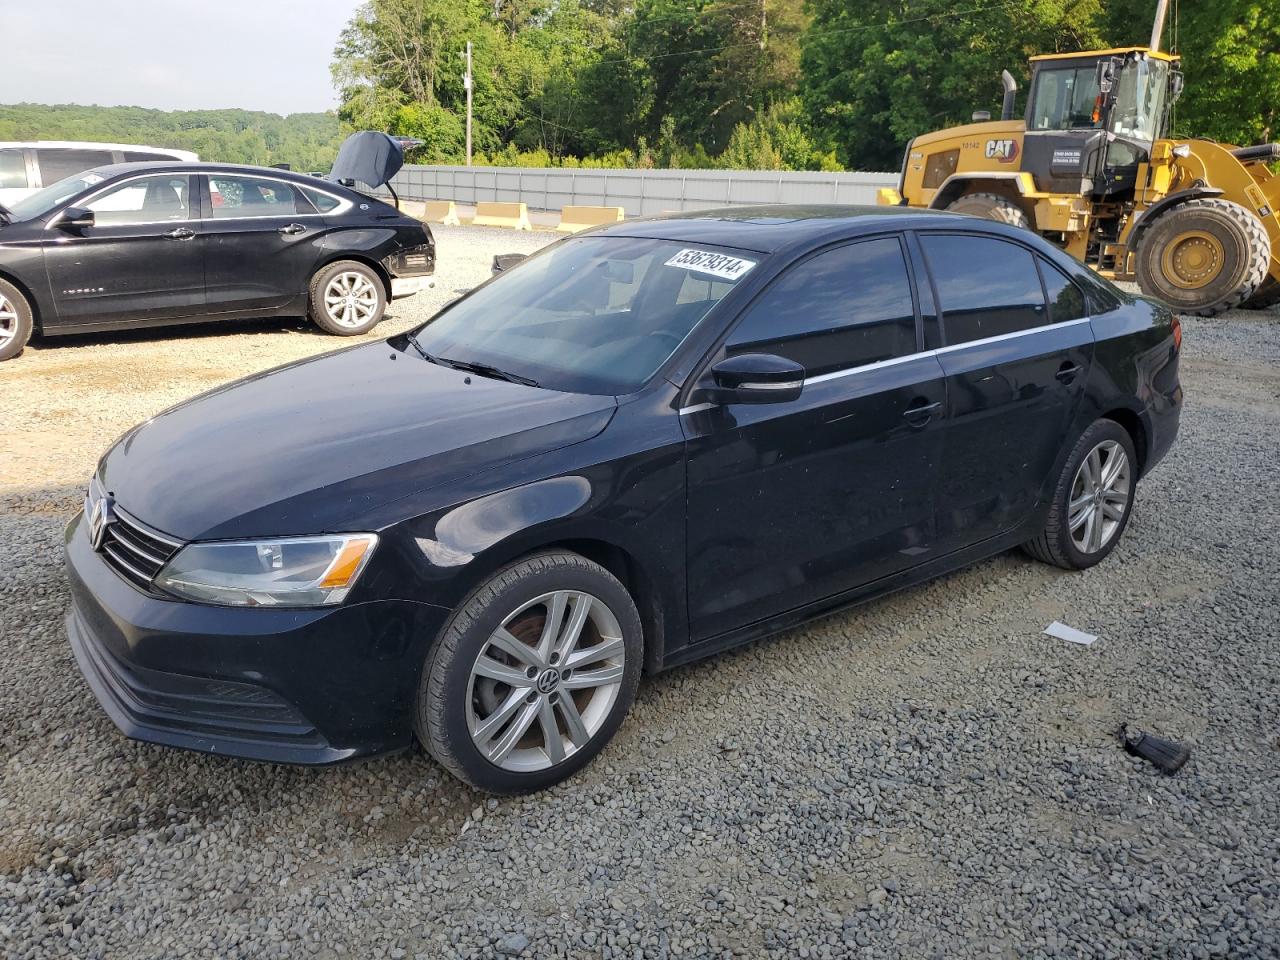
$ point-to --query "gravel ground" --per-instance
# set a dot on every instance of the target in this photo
(925, 776)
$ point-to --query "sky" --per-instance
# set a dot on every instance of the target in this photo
(269, 55)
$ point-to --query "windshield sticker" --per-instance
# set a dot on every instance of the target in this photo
(716, 264)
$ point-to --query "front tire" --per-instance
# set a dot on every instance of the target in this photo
(1203, 256)
(347, 298)
(532, 675)
(1092, 500)
(15, 321)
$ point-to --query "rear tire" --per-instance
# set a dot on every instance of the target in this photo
(992, 206)
(1203, 256)
(510, 707)
(15, 321)
(346, 298)
(1092, 500)
(1267, 295)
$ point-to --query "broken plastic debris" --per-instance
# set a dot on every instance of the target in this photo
(1168, 755)
(1070, 634)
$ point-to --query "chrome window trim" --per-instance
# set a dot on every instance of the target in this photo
(120, 183)
(343, 203)
(892, 361)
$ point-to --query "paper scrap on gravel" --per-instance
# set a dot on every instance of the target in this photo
(1070, 634)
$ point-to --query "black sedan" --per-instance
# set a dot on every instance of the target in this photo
(148, 244)
(643, 445)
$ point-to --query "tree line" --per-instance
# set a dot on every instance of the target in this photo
(306, 141)
(773, 84)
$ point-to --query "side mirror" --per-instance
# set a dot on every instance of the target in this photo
(755, 378)
(75, 218)
(981, 116)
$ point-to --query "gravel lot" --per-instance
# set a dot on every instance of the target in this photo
(925, 776)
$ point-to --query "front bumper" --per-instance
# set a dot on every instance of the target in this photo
(314, 686)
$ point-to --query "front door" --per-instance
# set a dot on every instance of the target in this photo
(260, 239)
(139, 261)
(793, 502)
(1016, 363)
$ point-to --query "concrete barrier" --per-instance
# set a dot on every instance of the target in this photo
(573, 219)
(494, 214)
(440, 211)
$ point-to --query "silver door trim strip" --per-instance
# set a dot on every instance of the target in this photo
(1010, 336)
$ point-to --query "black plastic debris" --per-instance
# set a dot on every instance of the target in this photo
(1167, 755)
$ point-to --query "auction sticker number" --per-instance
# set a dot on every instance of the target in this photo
(715, 264)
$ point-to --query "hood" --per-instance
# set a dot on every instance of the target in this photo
(307, 447)
(368, 157)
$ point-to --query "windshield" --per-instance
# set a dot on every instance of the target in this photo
(1064, 97)
(1139, 107)
(589, 315)
(42, 201)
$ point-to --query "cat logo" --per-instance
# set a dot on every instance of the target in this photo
(1006, 151)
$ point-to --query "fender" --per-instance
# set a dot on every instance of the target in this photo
(952, 186)
(1149, 215)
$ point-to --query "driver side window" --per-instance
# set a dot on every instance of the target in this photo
(158, 199)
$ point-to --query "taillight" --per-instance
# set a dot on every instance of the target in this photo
(1177, 334)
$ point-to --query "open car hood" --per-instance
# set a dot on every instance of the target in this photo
(368, 157)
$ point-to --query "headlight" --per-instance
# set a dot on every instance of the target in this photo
(290, 572)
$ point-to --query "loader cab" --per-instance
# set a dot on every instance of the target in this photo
(1092, 118)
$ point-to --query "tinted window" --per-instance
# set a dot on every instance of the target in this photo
(321, 201)
(131, 156)
(1066, 302)
(987, 287)
(145, 200)
(843, 308)
(254, 197)
(13, 169)
(59, 164)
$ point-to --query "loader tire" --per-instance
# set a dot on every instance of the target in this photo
(992, 206)
(1267, 295)
(1203, 256)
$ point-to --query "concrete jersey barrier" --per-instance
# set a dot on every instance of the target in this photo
(575, 218)
(497, 214)
(441, 211)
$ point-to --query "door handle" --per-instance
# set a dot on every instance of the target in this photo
(1067, 372)
(181, 233)
(918, 416)
(292, 228)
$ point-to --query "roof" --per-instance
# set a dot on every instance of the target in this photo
(768, 229)
(94, 145)
(1113, 52)
(107, 171)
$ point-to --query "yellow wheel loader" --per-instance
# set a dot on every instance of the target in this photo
(1091, 167)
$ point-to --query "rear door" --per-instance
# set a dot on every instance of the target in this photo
(1016, 361)
(139, 261)
(262, 238)
(790, 503)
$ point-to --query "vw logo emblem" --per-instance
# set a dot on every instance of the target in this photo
(100, 518)
(548, 680)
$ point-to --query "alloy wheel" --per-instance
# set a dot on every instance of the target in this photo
(350, 299)
(1099, 497)
(546, 681)
(8, 321)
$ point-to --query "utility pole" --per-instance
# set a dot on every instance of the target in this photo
(466, 85)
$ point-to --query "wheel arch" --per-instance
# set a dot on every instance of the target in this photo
(1009, 184)
(37, 323)
(375, 265)
(1133, 425)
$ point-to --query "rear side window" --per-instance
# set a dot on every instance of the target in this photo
(843, 308)
(987, 287)
(323, 202)
(13, 170)
(132, 156)
(234, 196)
(58, 164)
(1066, 302)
